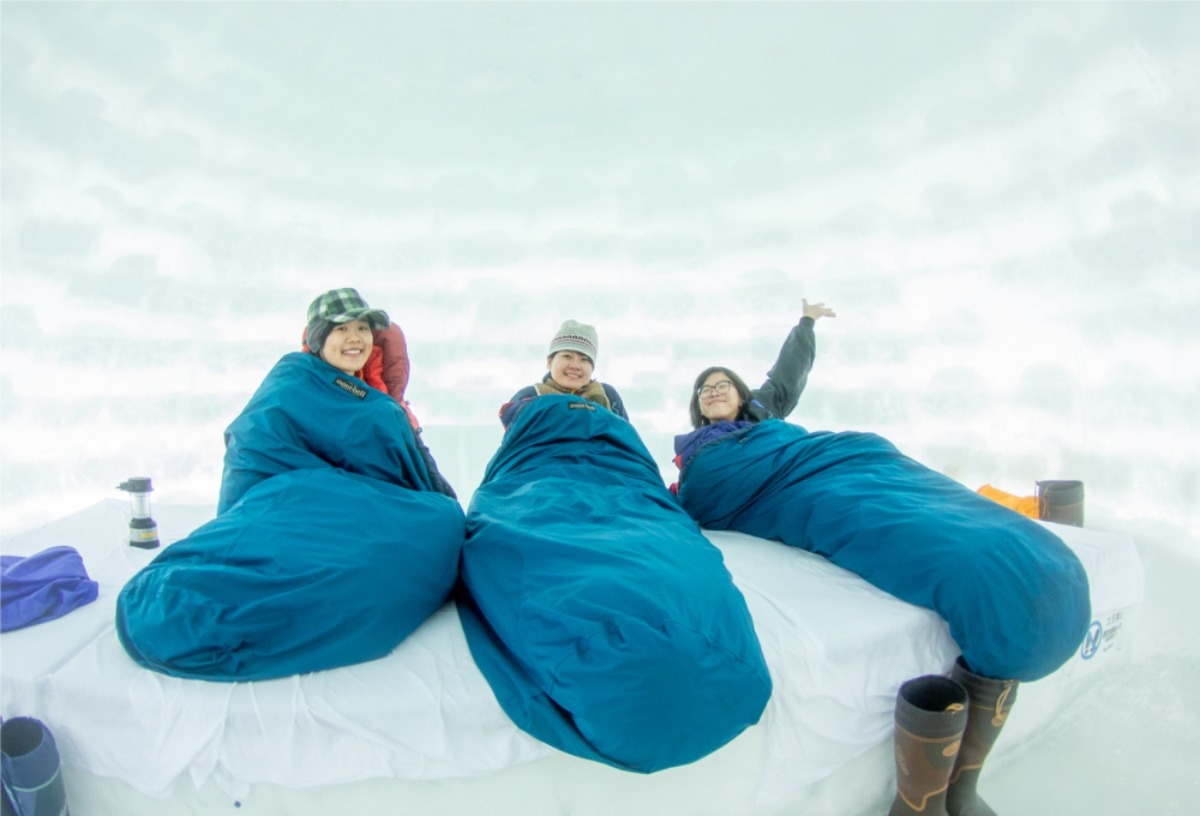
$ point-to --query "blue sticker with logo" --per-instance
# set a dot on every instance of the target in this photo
(1092, 641)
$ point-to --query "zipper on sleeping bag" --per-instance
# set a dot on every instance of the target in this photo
(740, 435)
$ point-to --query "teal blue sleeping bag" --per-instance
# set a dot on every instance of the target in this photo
(307, 414)
(1014, 595)
(605, 622)
(330, 545)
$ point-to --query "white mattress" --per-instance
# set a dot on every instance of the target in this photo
(837, 649)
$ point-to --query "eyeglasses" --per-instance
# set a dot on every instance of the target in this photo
(719, 387)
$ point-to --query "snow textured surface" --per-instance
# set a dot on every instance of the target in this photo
(999, 199)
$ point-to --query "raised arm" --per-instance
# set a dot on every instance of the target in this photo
(778, 396)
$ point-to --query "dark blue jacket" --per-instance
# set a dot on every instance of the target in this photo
(778, 396)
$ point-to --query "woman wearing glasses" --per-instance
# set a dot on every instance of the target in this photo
(722, 402)
(1014, 595)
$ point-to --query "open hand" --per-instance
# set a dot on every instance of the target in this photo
(817, 310)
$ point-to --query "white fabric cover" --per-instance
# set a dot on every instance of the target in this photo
(837, 649)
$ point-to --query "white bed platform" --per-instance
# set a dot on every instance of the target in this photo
(419, 732)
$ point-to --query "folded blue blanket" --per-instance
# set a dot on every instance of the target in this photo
(42, 587)
(605, 622)
(1014, 595)
(329, 548)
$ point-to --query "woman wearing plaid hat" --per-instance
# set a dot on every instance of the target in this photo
(349, 335)
(569, 363)
(335, 535)
(352, 337)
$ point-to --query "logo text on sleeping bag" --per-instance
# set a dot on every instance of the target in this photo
(584, 406)
(350, 388)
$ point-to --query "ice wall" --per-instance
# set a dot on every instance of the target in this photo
(1000, 200)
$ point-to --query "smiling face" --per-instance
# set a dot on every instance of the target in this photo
(719, 398)
(348, 346)
(570, 369)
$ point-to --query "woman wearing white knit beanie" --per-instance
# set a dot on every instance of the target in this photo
(570, 363)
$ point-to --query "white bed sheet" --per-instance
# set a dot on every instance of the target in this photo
(837, 649)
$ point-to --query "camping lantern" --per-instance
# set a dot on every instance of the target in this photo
(143, 532)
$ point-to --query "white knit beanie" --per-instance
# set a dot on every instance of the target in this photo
(575, 336)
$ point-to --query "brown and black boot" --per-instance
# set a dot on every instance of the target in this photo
(931, 713)
(990, 702)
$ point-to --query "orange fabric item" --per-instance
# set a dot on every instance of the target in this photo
(1025, 505)
(412, 418)
(372, 372)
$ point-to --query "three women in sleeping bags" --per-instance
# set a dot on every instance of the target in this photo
(1021, 604)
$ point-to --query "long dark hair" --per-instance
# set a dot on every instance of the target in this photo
(698, 419)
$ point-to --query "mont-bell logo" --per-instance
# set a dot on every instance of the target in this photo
(354, 389)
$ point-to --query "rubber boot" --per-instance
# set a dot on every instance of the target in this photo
(931, 713)
(1061, 500)
(990, 702)
(32, 776)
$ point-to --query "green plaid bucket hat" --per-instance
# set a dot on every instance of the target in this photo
(344, 305)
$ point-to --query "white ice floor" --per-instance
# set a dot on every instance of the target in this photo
(1128, 746)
